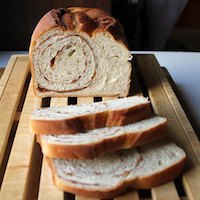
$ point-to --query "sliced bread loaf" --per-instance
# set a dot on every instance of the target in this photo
(79, 52)
(143, 167)
(99, 141)
(80, 118)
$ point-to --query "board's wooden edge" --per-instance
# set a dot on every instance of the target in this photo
(183, 104)
(160, 93)
(182, 117)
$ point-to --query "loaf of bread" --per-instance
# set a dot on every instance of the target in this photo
(80, 118)
(107, 176)
(79, 52)
(97, 142)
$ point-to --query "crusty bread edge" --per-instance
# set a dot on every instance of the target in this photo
(69, 126)
(92, 150)
(130, 115)
(147, 182)
(92, 121)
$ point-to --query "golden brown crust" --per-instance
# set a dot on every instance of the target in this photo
(86, 20)
(84, 151)
(91, 121)
(139, 183)
(159, 178)
(128, 116)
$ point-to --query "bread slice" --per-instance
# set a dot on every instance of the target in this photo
(79, 52)
(99, 141)
(143, 167)
(80, 118)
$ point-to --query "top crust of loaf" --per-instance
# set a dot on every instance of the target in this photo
(78, 19)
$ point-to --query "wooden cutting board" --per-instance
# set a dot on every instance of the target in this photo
(24, 173)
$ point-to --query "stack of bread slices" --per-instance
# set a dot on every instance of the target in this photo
(101, 149)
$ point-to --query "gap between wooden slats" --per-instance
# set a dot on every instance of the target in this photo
(1, 72)
(18, 180)
(160, 96)
(136, 86)
(10, 98)
(47, 189)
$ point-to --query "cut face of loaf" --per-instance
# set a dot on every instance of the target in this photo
(79, 52)
(107, 176)
(99, 141)
(80, 118)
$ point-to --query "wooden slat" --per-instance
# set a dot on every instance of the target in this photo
(128, 195)
(58, 102)
(16, 183)
(164, 103)
(8, 70)
(82, 100)
(47, 189)
(161, 191)
(10, 98)
(108, 98)
(191, 181)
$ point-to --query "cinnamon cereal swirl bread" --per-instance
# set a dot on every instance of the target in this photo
(79, 52)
